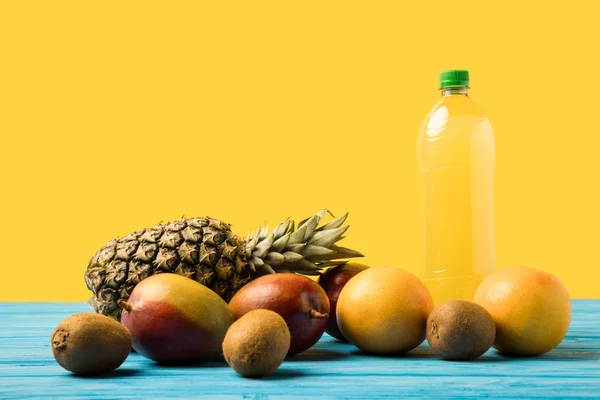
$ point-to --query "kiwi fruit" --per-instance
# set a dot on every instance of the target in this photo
(89, 344)
(460, 330)
(257, 343)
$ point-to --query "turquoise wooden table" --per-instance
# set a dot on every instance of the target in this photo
(331, 369)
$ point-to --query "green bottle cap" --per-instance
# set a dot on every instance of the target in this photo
(454, 77)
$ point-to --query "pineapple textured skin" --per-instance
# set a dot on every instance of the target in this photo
(203, 249)
(206, 250)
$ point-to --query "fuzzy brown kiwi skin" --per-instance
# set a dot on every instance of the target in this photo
(459, 330)
(257, 343)
(90, 344)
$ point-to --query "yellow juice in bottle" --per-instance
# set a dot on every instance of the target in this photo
(456, 154)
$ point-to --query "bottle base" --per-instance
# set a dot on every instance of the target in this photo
(452, 288)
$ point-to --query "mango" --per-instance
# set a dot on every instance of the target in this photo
(301, 302)
(176, 320)
(333, 281)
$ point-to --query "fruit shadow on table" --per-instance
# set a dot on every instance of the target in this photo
(284, 373)
(114, 374)
(565, 352)
(311, 355)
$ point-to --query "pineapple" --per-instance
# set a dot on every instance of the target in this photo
(206, 250)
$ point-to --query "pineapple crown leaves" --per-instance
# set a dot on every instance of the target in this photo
(306, 249)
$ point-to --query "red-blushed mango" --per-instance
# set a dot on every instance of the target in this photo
(301, 302)
(176, 320)
(333, 281)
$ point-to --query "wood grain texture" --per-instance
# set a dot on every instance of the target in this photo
(331, 369)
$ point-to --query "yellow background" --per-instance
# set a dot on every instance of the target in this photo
(117, 115)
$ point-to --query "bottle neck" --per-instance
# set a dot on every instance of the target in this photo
(455, 90)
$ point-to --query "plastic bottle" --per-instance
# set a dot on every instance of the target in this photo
(456, 154)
